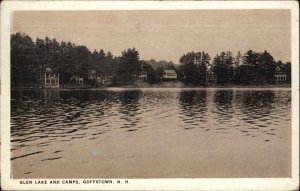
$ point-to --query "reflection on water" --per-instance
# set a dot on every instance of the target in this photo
(129, 109)
(193, 107)
(43, 119)
(256, 104)
(223, 106)
(257, 111)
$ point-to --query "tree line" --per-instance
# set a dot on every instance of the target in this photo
(252, 68)
(29, 60)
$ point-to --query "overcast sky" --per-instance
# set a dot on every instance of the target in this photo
(165, 35)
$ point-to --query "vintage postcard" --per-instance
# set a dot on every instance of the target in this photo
(149, 95)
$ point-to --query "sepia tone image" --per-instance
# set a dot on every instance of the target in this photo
(151, 94)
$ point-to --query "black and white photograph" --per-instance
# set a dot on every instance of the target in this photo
(101, 95)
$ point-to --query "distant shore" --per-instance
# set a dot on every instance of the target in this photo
(161, 85)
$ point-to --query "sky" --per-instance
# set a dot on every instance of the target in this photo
(164, 35)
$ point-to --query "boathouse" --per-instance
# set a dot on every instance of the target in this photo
(77, 79)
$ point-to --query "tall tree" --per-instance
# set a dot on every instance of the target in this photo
(23, 60)
(129, 67)
(193, 67)
(266, 68)
(251, 59)
(223, 67)
(238, 61)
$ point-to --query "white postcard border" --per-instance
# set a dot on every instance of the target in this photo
(148, 184)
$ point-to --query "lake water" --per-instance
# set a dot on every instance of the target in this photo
(151, 133)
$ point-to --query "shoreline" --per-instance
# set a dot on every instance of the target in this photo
(283, 86)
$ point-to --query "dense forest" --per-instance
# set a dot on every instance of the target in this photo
(29, 59)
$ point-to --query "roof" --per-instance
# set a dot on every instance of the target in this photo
(170, 71)
(278, 71)
(210, 72)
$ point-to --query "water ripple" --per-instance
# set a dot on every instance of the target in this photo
(43, 119)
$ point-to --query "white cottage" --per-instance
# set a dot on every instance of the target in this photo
(169, 75)
(51, 79)
(105, 79)
(92, 75)
(143, 76)
(211, 78)
(280, 77)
